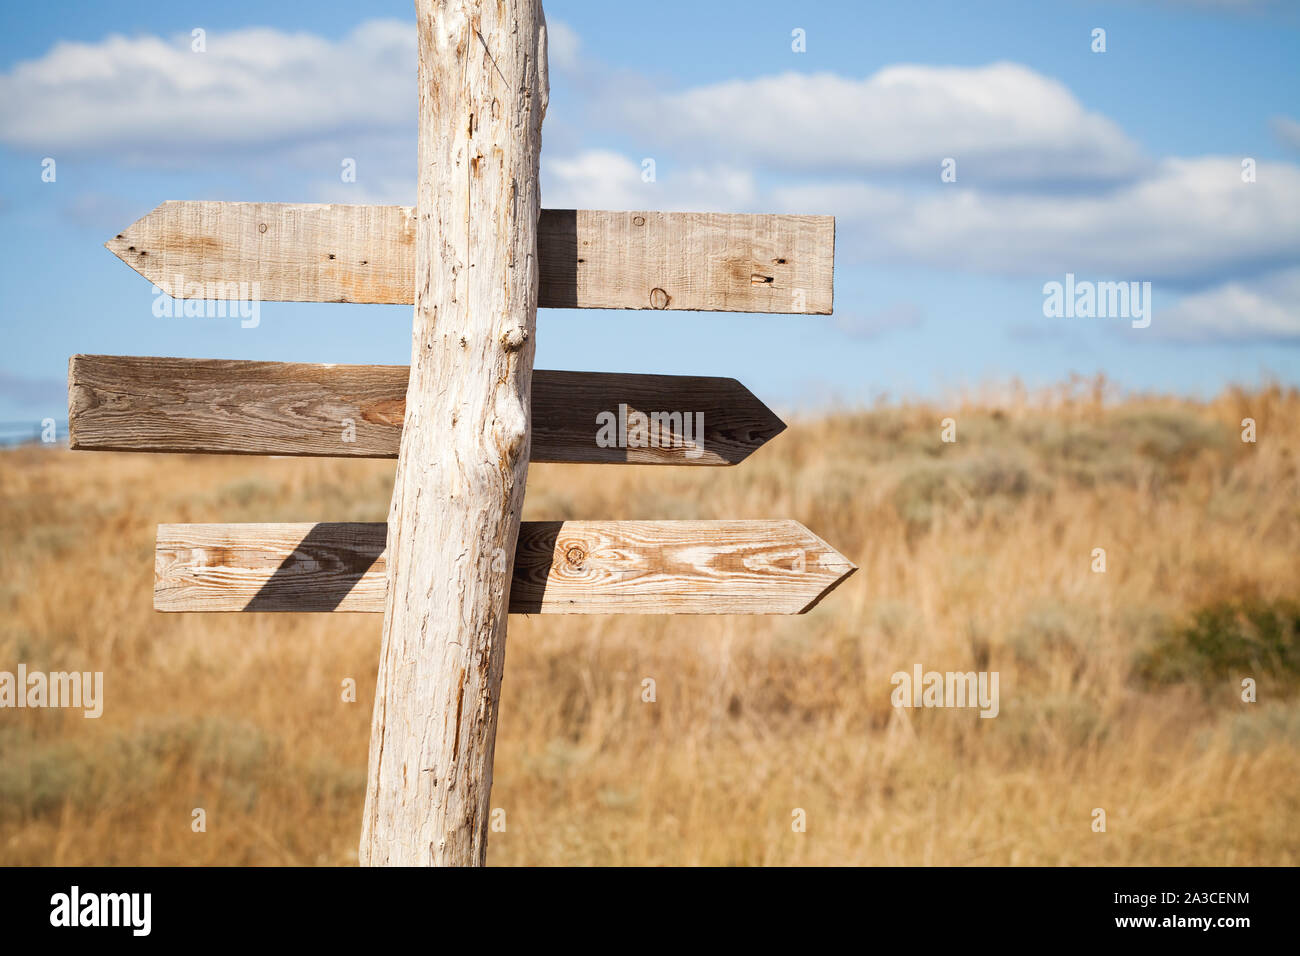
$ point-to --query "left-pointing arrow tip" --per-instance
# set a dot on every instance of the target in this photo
(132, 246)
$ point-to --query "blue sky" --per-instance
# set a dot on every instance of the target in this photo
(1115, 166)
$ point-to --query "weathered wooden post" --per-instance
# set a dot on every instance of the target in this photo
(454, 519)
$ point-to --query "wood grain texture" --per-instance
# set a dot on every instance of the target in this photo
(118, 403)
(570, 567)
(294, 252)
(589, 259)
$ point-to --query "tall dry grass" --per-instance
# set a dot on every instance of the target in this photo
(974, 556)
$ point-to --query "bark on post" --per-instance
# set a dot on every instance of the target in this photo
(463, 461)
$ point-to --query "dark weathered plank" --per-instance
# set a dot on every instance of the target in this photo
(588, 259)
(570, 567)
(118, 403)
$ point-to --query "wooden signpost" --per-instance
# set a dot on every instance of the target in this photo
(476, 256)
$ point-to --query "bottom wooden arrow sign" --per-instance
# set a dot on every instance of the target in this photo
(561, 567)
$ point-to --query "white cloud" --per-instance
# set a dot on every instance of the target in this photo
(1002, 122)
(1266, 309)
(562, 46)
(601, 179)
(303, 101)
(1193, 219)
(588, 179)
(152, 98)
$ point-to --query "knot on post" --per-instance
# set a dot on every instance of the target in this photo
(510, 431)
(514, 337)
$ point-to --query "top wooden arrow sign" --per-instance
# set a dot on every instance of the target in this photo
(712, 262)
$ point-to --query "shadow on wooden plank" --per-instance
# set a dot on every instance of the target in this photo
(322, 569)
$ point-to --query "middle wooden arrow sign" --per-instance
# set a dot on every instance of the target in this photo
(118, 403)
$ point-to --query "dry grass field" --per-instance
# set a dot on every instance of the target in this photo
(1119, 690)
